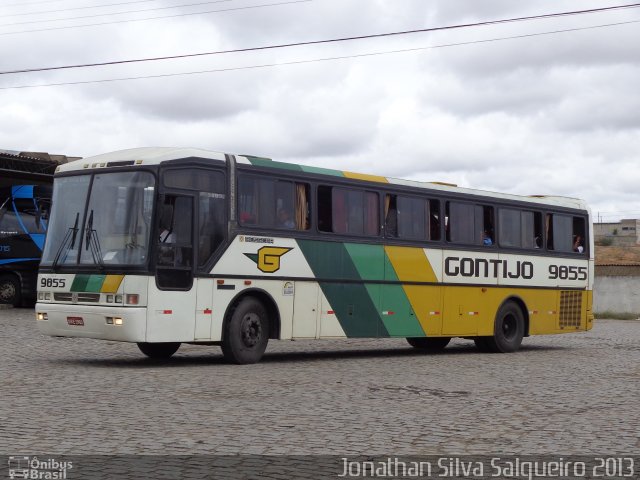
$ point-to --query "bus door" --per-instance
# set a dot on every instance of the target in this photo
(172, 300)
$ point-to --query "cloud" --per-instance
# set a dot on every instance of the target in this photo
(552, 114)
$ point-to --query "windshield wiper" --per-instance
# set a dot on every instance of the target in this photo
(91, 240)
(71, 234)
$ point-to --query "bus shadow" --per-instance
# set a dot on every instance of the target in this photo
(191, 359)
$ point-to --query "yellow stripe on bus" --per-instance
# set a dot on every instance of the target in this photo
(412, 265)
(363, 176)
(111, 283)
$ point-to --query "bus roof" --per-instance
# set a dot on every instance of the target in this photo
(157, 155)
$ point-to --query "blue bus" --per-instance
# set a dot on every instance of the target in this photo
(23, 225)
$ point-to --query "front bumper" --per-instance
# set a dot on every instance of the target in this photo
(95, 323)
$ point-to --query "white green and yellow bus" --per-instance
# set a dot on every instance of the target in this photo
(162, 246)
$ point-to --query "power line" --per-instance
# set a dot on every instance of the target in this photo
(156, 18)
(326, 59)
(114, 13)
(32, 3)
(73, 8)
(319, 42)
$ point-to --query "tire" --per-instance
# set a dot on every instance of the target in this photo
(159, 351)
(10, 291)
(429, 343)
(246, 332)
(508, 329)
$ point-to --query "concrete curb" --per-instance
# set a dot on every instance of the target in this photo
(5, 306)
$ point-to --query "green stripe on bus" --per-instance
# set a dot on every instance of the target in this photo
(79, 283)
(87, 283)
(94, 284)
(322, 171)
(265, 162)
(392, 305)
(368, 260)
(351, 302)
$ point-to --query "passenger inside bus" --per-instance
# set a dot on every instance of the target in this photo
(284, 219)
(487, 240)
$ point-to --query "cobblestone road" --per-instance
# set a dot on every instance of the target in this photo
(568, 394)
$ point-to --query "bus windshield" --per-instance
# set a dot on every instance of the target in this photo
(106, 221)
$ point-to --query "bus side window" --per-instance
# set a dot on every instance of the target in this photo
(579, 235)
(273, 203)
(469, 224)
(27, 212)
(3, 210)
(560, 232)
(302, 218)
(391, 216)
(434, 219)
(418, 218)
(346, 211)
(520, 229)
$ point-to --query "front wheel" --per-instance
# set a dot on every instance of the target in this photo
(246, 333)
(159, 351)
(10, 292)
(508, 330)
(429, 343)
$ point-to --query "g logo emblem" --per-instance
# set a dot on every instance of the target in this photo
(268, 258)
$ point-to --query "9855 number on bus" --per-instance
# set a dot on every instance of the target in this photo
(52, 282)
(564, 272)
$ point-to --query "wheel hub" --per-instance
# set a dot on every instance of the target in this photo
(7, 291)
(251, 330)
(509, 327)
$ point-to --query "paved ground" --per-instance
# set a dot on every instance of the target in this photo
(569, 394)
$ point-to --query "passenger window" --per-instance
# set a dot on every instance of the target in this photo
(558, 232)
(565, 233)
(520, 229)
(469, 224)
(345, 211)
(412, 218)
(27, 213)
(273, 203)
(579, 235)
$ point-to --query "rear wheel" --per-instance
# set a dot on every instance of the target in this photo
(10, 291)
(158, 351)
(508, 329)
(246, 333)
(429, 343)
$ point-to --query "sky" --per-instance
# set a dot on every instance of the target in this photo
(544, 113)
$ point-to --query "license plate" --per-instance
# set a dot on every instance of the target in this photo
(75, 321)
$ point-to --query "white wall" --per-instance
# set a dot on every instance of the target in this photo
(616, 294)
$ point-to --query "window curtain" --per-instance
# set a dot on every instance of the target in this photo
(301, 207)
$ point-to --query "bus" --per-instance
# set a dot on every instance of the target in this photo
(162, 246)
(23, 224)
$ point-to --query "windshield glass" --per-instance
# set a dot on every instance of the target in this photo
(63, 236)
(117, 226)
